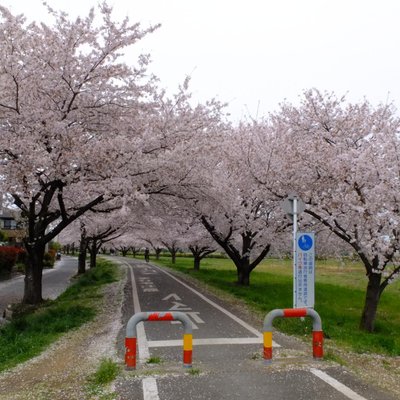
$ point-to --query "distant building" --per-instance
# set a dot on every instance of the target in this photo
(11, 227)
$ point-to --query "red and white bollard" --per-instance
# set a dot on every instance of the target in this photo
(131, 334)
(318, 335)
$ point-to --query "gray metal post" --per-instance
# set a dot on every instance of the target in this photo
(294, 252)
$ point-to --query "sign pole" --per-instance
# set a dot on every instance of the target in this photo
(294, 206)
(294, 252)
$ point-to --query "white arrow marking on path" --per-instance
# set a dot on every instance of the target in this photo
(179, 307)
(195, 316)
(172, 296)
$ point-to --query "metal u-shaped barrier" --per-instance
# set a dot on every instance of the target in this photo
(318, 336)
(131, 334)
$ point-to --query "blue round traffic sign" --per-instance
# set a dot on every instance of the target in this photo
(305, 242)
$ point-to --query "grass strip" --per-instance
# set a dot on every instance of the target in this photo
(105, 373)
(97, 382)
(339, 295)
(34, 329)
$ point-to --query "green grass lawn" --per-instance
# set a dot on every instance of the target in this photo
(33, 330)
(339, 298)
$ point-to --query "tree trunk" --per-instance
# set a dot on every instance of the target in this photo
(173, 256)
(82, 262)
(93, 254)
(158, 252)
(196, 262)
(243, 263)
(33, 275)
(372, 298)
(199, 253)
(82, 257)
(243, 273)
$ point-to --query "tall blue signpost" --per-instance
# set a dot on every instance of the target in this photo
(303, 256)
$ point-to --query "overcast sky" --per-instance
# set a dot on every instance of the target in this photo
(254, 54)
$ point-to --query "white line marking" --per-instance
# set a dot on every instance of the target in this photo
(337, 385)
(208, 341)
(143, 347)
(135, 296)
(150, 390)
(218, 307)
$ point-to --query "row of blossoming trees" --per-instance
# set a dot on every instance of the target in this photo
(92, 146)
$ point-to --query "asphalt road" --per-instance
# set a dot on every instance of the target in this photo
(54, 282)
(227, 349)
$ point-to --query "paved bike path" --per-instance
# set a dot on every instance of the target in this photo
(227, 352)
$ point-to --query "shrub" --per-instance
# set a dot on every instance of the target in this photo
(55, 246)
(3, 236)
(8, 258)
(49, 258)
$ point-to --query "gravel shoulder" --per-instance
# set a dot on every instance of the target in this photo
(62, 371)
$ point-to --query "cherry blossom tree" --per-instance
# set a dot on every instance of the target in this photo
(130, 239)
(343, 161)
(199, 242)
(66, 105)
(164, 230)
(182, 232)
(157, 248)
(122, 248)
(94, 230)
(164, 223)
(228, 201)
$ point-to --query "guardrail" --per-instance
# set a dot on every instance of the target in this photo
(131, 334)
(318, 336)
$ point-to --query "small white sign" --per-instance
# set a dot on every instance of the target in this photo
(304, 270)
(287, 205)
